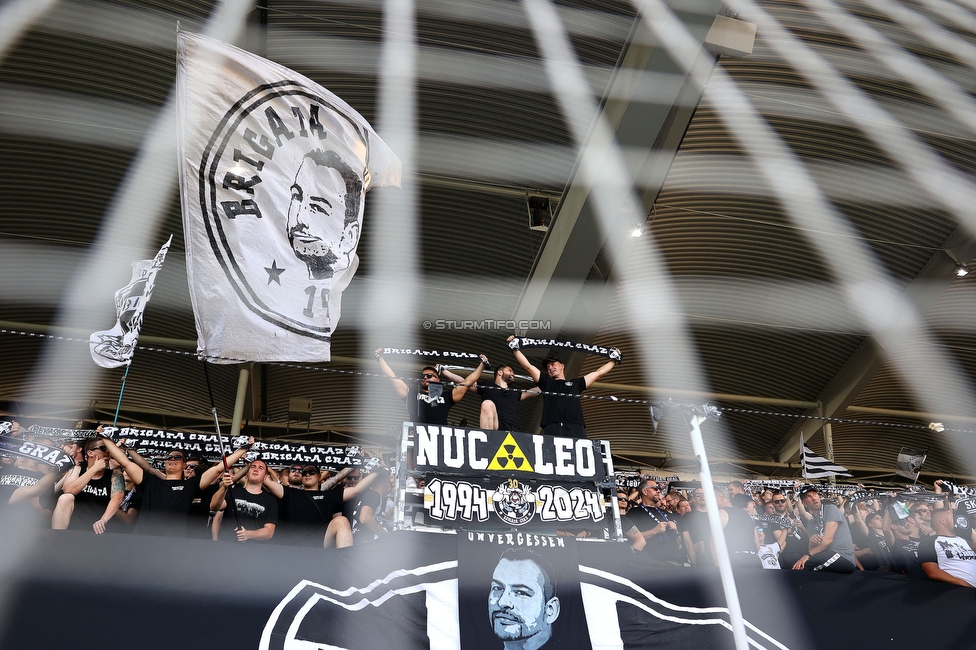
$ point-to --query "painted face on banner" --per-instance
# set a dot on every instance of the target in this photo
(517, 605)
(282, 190)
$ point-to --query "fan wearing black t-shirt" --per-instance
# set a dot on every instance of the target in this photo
(658, 529)
(562, 415)
(167, 496)
(500, 401)
(91, 497)
(256, 511)
(362, 512)
(431, 403)
(312, 514)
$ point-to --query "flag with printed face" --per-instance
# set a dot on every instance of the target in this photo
(114, 348)
(815, 466)
(274, 171)
(909, 462)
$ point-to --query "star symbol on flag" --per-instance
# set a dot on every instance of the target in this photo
(274, 272)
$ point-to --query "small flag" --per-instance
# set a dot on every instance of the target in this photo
(114, 348)
(909, 462)
(815, 466)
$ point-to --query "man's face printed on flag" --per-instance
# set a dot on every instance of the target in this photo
(323, 226)
(517, 605)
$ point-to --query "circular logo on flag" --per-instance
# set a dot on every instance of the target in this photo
(514, 503)
(281, 185)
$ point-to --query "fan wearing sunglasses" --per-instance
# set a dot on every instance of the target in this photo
(167, 495)
(91, 498)
(430, 403)
(312, 514)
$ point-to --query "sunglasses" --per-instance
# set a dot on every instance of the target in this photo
(174, 458)
(429, 375)
(353, 478)
(779, 500)
(192, 466)
(294, 469)
(309, 472)
(698, 494)
(103, 448)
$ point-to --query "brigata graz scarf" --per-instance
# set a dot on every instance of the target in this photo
(523, 342)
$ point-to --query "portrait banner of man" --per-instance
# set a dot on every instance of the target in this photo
(519, 591)
(273, 179)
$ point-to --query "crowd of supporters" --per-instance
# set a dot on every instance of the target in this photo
(113, 489)
(923, 534)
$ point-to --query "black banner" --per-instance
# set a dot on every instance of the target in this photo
(275, 452)
(520, 591)
(472, 452)
(502, 504)
(420, 591)
(42, 453)
(61, 434)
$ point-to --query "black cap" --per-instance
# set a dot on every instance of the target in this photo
(807, 489)
(553, 357)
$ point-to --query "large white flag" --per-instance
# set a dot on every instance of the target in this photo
(114, 348)
(274, 171)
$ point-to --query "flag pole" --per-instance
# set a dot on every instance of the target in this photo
(223, 450)
(739, 636)
(118, 406)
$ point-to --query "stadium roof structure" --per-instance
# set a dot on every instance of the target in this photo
(806, 210)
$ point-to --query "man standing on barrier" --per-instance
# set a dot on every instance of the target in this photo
(562, 414)
(430, 404)
(500, 400)
(831, 547)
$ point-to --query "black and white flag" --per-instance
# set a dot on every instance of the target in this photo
(114, 348)
(909, 462)
(815, 466)
(273, 177)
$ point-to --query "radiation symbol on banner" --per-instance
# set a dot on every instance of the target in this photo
(510, 457)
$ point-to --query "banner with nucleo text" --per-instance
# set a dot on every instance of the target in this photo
(445, 450)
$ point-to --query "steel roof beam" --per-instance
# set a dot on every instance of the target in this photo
(574, 251)
(841, 391)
